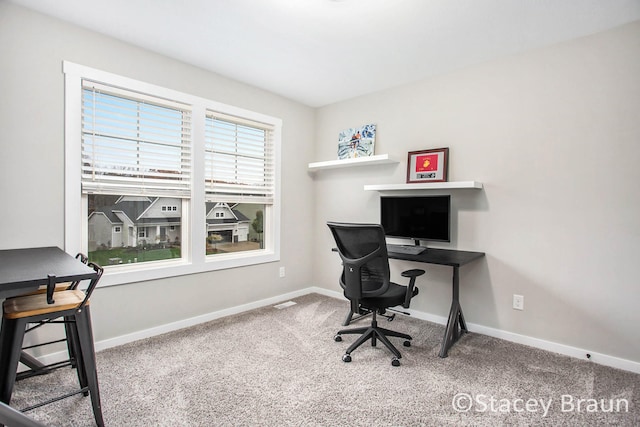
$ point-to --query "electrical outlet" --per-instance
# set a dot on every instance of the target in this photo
(281, 271)
(518, 302)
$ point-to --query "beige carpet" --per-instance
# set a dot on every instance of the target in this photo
(273, 367)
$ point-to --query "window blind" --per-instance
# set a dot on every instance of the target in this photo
(239, 160)
(134, 144)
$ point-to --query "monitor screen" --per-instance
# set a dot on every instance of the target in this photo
(420, 218)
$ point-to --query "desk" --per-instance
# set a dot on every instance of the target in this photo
(456, 325)
(24, 270)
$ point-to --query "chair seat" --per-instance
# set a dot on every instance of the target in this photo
(34, 305)
(395, 295)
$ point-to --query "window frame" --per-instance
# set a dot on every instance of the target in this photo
(194, 258)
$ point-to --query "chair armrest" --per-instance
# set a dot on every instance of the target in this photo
(412, 274)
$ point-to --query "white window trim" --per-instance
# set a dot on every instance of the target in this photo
(194, 258)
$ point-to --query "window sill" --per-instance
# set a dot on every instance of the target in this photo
(120, 275)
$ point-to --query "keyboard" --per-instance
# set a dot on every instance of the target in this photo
(406, 249)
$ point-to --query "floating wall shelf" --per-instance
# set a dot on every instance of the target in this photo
(424, 186)
(379, 159)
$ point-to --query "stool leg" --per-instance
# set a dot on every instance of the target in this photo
(88, 356)
(11, 336)
(73, 344)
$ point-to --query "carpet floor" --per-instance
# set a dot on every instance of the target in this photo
(272, 366)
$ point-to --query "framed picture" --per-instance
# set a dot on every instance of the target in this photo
(427, 165)
(357, 142)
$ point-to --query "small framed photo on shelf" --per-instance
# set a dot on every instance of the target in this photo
(357, 142)
(427, 166)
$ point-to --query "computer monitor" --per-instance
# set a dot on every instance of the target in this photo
(417, 218)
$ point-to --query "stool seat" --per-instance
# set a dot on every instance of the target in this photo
(36, 304)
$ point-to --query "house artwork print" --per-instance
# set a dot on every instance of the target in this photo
(356, 142)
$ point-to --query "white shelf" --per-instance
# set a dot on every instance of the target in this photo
(424, 186)
(379, 159)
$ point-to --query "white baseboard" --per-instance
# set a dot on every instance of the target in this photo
(113, 342)
(599, 358)
(579, 353)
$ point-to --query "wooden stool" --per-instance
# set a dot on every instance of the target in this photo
(36, 367)
(73, 305)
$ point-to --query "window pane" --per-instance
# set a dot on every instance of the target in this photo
(149, 229)
(234, 227)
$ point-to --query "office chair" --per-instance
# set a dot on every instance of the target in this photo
(366, 283)
(72, 305)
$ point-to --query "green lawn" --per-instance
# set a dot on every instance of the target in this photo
(129, 255)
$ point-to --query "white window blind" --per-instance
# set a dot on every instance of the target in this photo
(134, 144)
(239, 160)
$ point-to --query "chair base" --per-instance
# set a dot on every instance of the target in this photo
(374, 333)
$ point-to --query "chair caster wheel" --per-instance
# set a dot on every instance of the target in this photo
(395, 362)
(337, 338)
(346, 358)
(407, 343)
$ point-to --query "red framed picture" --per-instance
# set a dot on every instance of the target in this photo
(427, 165)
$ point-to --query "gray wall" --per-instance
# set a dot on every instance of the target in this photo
(32, 48)
(554, 136)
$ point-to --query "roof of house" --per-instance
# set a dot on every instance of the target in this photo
(239, 215)
(132, 209)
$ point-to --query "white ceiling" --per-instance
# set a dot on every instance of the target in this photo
(322, 51)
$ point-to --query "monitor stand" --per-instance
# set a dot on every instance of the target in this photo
(417, 243)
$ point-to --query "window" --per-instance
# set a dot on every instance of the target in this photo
(136, 151)
(239, 182)
(189, 184)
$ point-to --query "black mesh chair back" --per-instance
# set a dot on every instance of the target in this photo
(363, 250)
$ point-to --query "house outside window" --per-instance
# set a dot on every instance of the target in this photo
(134, 163)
